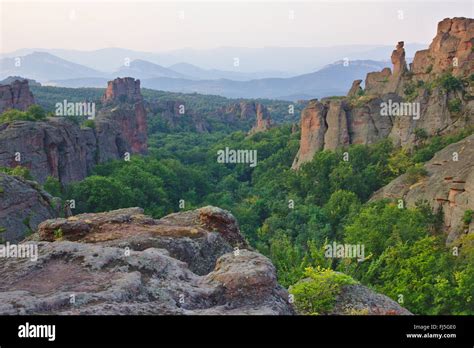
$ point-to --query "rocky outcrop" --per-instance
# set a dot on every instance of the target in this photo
(450, 51)
(358, 118)
(57, 148)
(263, 120)
(125, 110)
(122, 90)
(449, 185)
(357, 299)
(62, 149)
(356, 89)
(337, 133)
(389, 81)
(243, 111)
(23, 205)
(177, 115)
(313, 127)
(123, 262)
(16, 95)
(330, 124)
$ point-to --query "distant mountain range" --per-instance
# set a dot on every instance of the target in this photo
(44, 67)
(333, 79)
(257, 63)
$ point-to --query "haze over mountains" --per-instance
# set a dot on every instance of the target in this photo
(275, 73)
(257, 62)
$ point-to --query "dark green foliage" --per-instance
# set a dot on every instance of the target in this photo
(33, 113)
(53, 186)
(20, 171)
(291, 215)
(450, 83)
(454, 105)
(317, 293)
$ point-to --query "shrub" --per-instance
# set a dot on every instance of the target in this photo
(317, 293)
(89, 123)
(450, 83)
(34, 113)
(454, 105)
(58, 234)
(52, 186)
(415, 173)
(410, 89)
(467, 217)
(20, 171)
(421, 134)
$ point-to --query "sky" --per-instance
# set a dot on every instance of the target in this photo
(158, 26)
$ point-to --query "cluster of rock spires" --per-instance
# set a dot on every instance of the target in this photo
(64, 150)
(247, 110)
(356, 119)
(124, 262)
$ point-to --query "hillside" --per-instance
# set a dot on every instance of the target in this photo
(226, 206)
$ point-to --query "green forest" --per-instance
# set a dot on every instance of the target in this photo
(290, 216)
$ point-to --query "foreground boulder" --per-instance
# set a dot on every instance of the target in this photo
(124, 262)
(328, 292)
(357, 299)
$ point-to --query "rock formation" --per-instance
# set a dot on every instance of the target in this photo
(176, 114)
(62, 149)
(451, 50)
(125, 89)
(356, 89)
(126, 111)
(23, 205)
(263, 121)
(449, 185)
(245, 114)
(123, 262)
(329, 124)
(357, 119)
(359, 299)
(16, 95)
(313, 127)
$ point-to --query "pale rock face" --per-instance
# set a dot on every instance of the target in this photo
(451, 49)
(449, 185)
(263, 120)
(313, 128)
(337, 134)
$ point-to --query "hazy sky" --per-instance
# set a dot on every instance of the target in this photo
(163, 25)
